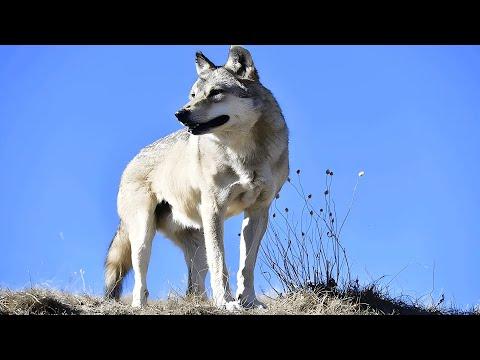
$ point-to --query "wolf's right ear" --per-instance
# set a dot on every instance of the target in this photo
(241, 64)
(203, 64)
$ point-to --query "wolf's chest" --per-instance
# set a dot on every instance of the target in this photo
(231, 194)
(242, 196)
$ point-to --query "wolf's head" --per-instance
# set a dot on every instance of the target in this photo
(224, 98)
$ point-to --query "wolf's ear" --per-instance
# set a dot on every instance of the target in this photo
(241, 64)
(203, 64)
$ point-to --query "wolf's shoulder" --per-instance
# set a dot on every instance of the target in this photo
(151, 155)
(166, 142)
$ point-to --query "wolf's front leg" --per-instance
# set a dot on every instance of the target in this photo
(212, 220)
(253, 228)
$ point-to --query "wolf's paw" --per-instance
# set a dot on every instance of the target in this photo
(259, 305)
(255, 304)
(137, 304)
(243, 305)
(248, 300)
(233, 306)
(139, 299)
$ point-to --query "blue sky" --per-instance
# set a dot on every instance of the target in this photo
(71, 117)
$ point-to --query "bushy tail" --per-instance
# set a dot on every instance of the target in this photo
(118, 263)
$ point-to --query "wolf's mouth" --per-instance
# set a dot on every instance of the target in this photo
(200, 128)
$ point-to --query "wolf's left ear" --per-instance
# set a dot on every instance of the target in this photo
(203, 64)
(241, 64)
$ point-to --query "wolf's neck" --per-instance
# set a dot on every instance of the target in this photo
(255, 143)
(238, 139)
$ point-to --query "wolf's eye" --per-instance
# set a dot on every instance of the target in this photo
(214, 92)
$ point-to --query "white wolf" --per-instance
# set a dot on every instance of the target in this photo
(232, 156)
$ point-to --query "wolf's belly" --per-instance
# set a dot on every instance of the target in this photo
(185, 206)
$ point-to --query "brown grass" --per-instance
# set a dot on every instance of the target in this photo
(48, 302)
(366, 301)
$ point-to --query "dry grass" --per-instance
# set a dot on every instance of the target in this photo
(367, 301)
(47, 302)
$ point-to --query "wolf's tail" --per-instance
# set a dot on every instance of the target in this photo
(118, 263)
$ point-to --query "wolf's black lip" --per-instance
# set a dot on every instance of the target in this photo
(199, 128)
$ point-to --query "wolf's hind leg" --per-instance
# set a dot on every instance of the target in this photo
(192, 243)
(139, 217)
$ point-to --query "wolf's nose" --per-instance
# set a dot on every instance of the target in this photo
(182, 115)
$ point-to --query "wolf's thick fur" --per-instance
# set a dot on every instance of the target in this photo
(231, 158)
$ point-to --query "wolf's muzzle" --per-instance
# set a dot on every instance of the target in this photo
(196, 128)
(183, 115)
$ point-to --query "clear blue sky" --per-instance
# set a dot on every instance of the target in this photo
(71, 117)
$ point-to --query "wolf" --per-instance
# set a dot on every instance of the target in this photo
(231, 156)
